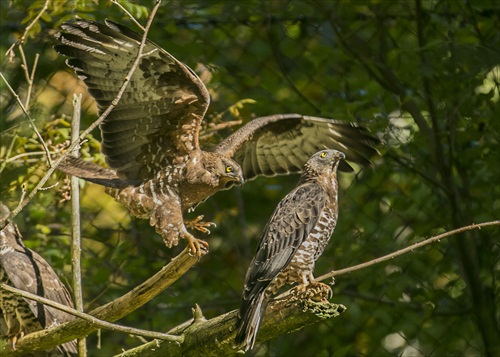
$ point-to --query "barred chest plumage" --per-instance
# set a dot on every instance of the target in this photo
(302, 263)
(142, 199)
(16, 311)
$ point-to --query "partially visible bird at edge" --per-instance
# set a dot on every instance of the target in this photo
(25, 269)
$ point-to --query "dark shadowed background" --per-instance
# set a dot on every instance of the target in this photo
(421, 75)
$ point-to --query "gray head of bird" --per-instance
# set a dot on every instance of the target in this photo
(323, 162)
(228, 171)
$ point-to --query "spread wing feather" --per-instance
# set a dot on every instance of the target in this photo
(159, 115)
(281, 144)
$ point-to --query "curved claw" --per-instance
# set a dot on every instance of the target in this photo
(196, 245)
(314, 290)
(199, 225)
(15, 338)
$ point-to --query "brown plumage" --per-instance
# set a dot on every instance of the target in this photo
(151, 138)
(24, 269)
(292, 241)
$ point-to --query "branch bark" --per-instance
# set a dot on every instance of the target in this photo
(215, 337)
(124, 305)
(76, 241)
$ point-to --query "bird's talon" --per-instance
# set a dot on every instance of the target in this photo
(196, 246)
(199, 225)
(316, 291)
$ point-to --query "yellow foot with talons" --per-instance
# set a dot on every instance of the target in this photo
(199, 225)
(15, 338)
(196, 246)
(315, 291)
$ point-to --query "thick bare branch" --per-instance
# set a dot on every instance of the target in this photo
(215, 337)
(112, 311)
(97, 322)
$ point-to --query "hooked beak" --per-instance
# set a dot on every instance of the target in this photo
(241, 180)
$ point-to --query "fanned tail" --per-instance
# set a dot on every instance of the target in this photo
(93, 173)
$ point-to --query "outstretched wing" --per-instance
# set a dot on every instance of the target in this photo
(281, 144)
(159, 115)
(292, 221)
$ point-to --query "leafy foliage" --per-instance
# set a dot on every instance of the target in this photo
(423, 75)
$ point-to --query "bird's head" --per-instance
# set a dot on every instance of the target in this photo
(229, 172)
(323, 162)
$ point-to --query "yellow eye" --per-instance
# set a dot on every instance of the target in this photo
(229, 169)
(323, 154)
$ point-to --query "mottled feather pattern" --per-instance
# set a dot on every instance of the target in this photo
(294, 238)
(162, 91)
(22, 268)
(152, 135)
(291, 222)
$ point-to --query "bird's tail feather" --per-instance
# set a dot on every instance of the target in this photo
(92, 172)
(249, 319)
(69, 349)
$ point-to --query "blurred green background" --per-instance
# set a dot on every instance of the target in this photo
(421, 75)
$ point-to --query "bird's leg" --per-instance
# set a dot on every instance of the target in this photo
(312, 289)
(195, 245)
(13, 339)
(199, 225)
(319, 291)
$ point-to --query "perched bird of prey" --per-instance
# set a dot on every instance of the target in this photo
(292, 241)
(24, 269)
(151, 138)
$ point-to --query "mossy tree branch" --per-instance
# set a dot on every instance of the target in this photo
(215, 337)
(118, 308)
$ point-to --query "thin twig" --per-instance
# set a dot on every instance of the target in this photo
(49, 187)
(220, 126)
(213, 128)
(411, 248)
(14, 158)
(31, 121)
(129, 14)
(29, 77)
(112, 311)
(82, 136)
(278, 57)
(76, 242)
(9, 151)
(10, 51)
(31, 80)
(24, 65)
(93, 320)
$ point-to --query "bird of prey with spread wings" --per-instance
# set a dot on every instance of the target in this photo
(24, 269)
(292, 241)
(151, 138)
